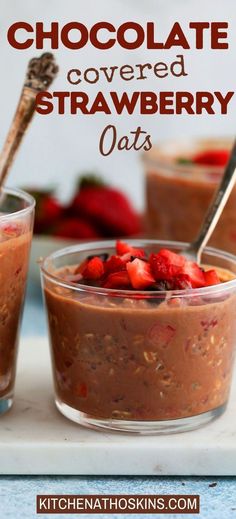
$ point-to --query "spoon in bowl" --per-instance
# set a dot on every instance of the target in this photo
(194, 251)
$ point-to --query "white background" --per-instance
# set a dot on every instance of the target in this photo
(57, 148)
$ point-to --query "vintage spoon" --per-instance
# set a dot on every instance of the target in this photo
(39, 76)
(194, 251)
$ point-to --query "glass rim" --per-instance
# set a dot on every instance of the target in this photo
(21, 195)
(132, 294)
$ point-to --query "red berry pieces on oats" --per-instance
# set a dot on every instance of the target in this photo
(195, 274)
(211, 278)
(93, 269)
(129, 268)
(114, 264)
(125, 250)
(161, 268)
(118, 280)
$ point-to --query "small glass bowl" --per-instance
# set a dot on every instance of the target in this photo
(16, 224)
(178, 193)
(144, 362)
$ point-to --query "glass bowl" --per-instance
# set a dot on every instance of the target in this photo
(179, 193)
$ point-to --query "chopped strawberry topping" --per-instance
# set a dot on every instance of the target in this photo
(114, 264)
(172, 257)
(181, 282)
(161, 267)
(119, 280)
(211, 278)
(212, 158)
(195, 274)
(94, 268)
(129, 268)
(140, 274)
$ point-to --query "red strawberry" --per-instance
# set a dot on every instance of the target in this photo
(119, 280)
(181, 282)
(93, 269)
(211, 277)
(76, 228)
(161, 268)
(123, 249)
(195, 274)
(140, 274)
(47, 212)
(212, 157)
(81, 390)
(172, 257)
(108, 208)
(114, 264)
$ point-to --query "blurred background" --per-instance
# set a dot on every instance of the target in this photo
(57, 148)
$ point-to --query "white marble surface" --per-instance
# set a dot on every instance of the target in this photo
(36, 439)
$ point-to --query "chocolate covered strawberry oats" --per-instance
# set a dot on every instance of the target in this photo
(141, 338)
(181, 178)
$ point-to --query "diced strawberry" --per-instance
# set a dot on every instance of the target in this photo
(119, 280)
(79, 269)
(161, 268)
(94, 268)
(81, 390)
(114, 264)
(140, 274)
(211, 278)
(123, 248)
(181, 282)
(195, 274)
(212, 157)
(161, 334)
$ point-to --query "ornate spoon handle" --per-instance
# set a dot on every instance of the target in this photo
(39, 76)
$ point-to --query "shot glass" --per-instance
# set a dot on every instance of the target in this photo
(16, 223)
(146, 362)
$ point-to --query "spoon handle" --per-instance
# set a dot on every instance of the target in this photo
(40, 74)
(213, 214)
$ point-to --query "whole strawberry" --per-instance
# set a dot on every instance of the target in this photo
(47, 210)
(106, 207)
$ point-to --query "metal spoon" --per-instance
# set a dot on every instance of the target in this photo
(39, 76)
(194, 251)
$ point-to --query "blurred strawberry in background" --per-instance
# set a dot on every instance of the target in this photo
(48, 209)
(95, 211)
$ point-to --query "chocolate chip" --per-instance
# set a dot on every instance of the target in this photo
(132, 258)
